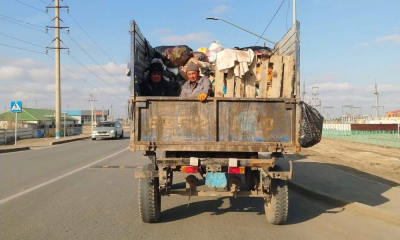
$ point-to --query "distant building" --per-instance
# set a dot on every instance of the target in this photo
(35, 118)
(83, 116)
(395, 113)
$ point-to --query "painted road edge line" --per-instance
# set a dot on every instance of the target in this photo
(57, 178)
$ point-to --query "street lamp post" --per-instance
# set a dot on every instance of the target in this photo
(216, 19)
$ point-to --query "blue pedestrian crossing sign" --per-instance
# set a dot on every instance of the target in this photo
(16, 106)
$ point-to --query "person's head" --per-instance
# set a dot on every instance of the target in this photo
(156, 70)
(192, 72)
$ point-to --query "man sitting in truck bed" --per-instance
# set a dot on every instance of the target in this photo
(156, 85)
(196, 86)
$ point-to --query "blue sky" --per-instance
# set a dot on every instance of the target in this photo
(345, 45)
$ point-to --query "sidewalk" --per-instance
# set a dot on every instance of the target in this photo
(32, 143)
(366, 196)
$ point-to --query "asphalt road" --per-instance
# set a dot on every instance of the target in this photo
(54, 193)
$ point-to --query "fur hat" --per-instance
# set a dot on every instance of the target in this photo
(156, 68)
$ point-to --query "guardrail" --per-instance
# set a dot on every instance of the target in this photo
(8, 135)
(383, 138)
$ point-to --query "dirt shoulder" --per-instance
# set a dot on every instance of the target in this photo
(369, 162)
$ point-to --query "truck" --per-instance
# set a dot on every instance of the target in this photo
(219, 139)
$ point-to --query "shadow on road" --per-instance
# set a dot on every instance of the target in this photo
(300, 209)
(339, 181)
(348, 184)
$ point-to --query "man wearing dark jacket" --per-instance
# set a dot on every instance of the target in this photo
(156, 85)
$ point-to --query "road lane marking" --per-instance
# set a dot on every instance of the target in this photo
(119, 167)
(57, 178)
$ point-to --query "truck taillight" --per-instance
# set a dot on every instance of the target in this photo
(189, 169)
(236, 170)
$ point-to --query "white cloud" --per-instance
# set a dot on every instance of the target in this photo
(334, 87)
(395, 38)
(21, 62)
(11, 73)
(198, 37)
(41, 74)
(220, 9)
(64, 88)
(324, 78)
(162, 32)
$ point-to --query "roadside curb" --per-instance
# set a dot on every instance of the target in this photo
(14, 149)
(352, 206)
(69, 140)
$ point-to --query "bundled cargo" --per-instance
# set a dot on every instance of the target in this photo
(174, 56)
(310, 126)
(214, 48)
(200, 56)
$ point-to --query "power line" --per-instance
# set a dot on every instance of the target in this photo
(270, 21)
(32, 90)
(90, 70)
(30, 6)
(45, 2)
(83, 50)
(85, 80)
(36, 97)
(21, 48)
(21, 21)
(22, 25)
(92, 39)
(21, 40)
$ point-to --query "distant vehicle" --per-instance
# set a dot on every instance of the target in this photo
(108, 130)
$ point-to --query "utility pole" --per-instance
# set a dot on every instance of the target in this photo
(36, 103)
(57, 64)
(294, 13)
(316, 102)
(92, 100)
(102, 113)
(328, 117)
(304, 92)
(349, 116)
(126, 114)
(377, 101)
(111, 115)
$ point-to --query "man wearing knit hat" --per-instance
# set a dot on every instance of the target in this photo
(156, 85)
(196, 86)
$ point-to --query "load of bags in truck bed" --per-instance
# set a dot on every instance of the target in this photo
(175, 60)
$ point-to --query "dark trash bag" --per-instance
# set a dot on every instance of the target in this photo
(200, 56)
(311, 126)
(258, 50)
(174, 56)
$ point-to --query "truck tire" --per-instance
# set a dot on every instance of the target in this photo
(149, 197)
(276, 210)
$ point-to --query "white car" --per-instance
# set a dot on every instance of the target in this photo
(108, 130)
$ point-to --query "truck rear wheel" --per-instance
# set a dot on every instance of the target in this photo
(149, 197)
(277, 206)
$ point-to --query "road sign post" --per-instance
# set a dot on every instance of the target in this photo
(16, 128)
(16, 107)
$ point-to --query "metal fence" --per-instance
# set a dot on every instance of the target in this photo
(389, 139)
